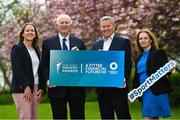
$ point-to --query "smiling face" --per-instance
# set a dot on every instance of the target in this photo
(64, 25)
(144, 40)
(29, 33)
(107, 28)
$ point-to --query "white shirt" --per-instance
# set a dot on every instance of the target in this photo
(107, 43)
(35, 65)
(66, 42)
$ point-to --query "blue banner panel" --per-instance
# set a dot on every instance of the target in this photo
(87, 68)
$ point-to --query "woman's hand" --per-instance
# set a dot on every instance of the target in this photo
(171, 70)
(27, 94)
(38, 95)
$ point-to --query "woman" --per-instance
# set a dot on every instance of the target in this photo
(27, 85)
(155, 101)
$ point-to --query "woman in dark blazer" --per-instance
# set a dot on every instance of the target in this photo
(27, 85)
(155, 101)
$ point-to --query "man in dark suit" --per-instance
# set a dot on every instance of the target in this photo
(59, 96)
(113, 99)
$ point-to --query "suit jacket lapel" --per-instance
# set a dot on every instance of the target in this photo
(113, 43)
(26, 52)
(149, 58)
(56, 43)
(101, 44)
(72, 42)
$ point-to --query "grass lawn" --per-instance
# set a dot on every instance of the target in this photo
(92, 111)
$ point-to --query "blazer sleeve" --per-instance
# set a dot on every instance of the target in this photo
(42, 82)
(83, 47)
(161, 57)
(158, 60)
(128, 62)
(135, 80)
(18, 73)
(45, 60)
(95, 46)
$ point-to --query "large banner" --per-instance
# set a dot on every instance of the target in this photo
(87, 68)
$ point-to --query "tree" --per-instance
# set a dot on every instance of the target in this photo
(5, 17)
(13, 15)
(160, 16)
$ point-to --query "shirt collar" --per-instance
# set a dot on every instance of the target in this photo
(61, 37)
(110, 38)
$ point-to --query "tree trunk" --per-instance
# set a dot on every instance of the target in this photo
(5, 68)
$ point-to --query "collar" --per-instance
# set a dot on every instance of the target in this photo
(110, 38)
(147, 49)
(61, 37)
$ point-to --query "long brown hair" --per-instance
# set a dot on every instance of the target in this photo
(35, 43)
(154, 43)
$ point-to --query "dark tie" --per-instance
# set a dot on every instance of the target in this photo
(64, 44)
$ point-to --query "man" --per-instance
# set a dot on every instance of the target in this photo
(113, 99)
(60, 96)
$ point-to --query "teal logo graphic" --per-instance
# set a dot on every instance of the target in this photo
(58, 65)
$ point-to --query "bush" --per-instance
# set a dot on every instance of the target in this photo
(175, 95)
(5, 98)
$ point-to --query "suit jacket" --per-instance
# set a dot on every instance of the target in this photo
(53, 43)
(156, 59)
(22, 71)
(121, 44)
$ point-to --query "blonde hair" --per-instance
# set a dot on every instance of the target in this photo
(152, 37)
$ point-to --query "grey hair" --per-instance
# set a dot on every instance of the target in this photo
(104, 18)
(64, 15)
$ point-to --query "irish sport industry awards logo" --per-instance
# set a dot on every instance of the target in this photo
(113, 68)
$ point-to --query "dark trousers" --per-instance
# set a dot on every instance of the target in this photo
(109, 104)
(76, 107)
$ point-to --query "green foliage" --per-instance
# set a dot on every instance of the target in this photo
(175, 95)
(5, 98)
